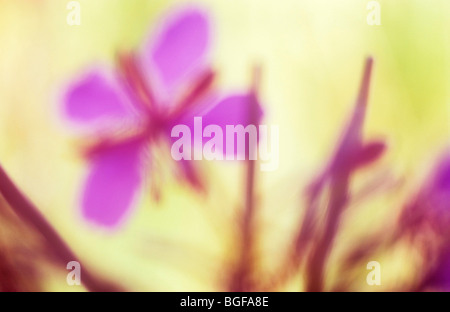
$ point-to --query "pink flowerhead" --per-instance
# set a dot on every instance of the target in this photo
(131, 108)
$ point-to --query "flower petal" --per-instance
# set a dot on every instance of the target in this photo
(235, 110)
(182, 46)
(94, 97)
(112, 183)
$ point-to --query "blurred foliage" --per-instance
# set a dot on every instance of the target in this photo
(311, 52)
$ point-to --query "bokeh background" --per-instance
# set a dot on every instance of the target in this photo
(312, 54)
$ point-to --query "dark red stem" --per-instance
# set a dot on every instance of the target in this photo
(32, 216)
(241, 279)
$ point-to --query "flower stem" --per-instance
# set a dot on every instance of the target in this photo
(339, 174)
(33, 217)
(241, 279)
(316, 263)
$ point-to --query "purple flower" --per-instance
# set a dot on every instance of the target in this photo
(131, 109)
(438, 277)
(425, 219)
(430, 207)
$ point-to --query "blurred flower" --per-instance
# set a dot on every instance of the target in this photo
(438, 277)
(167, 84)
(426, 219)
(430, 208)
